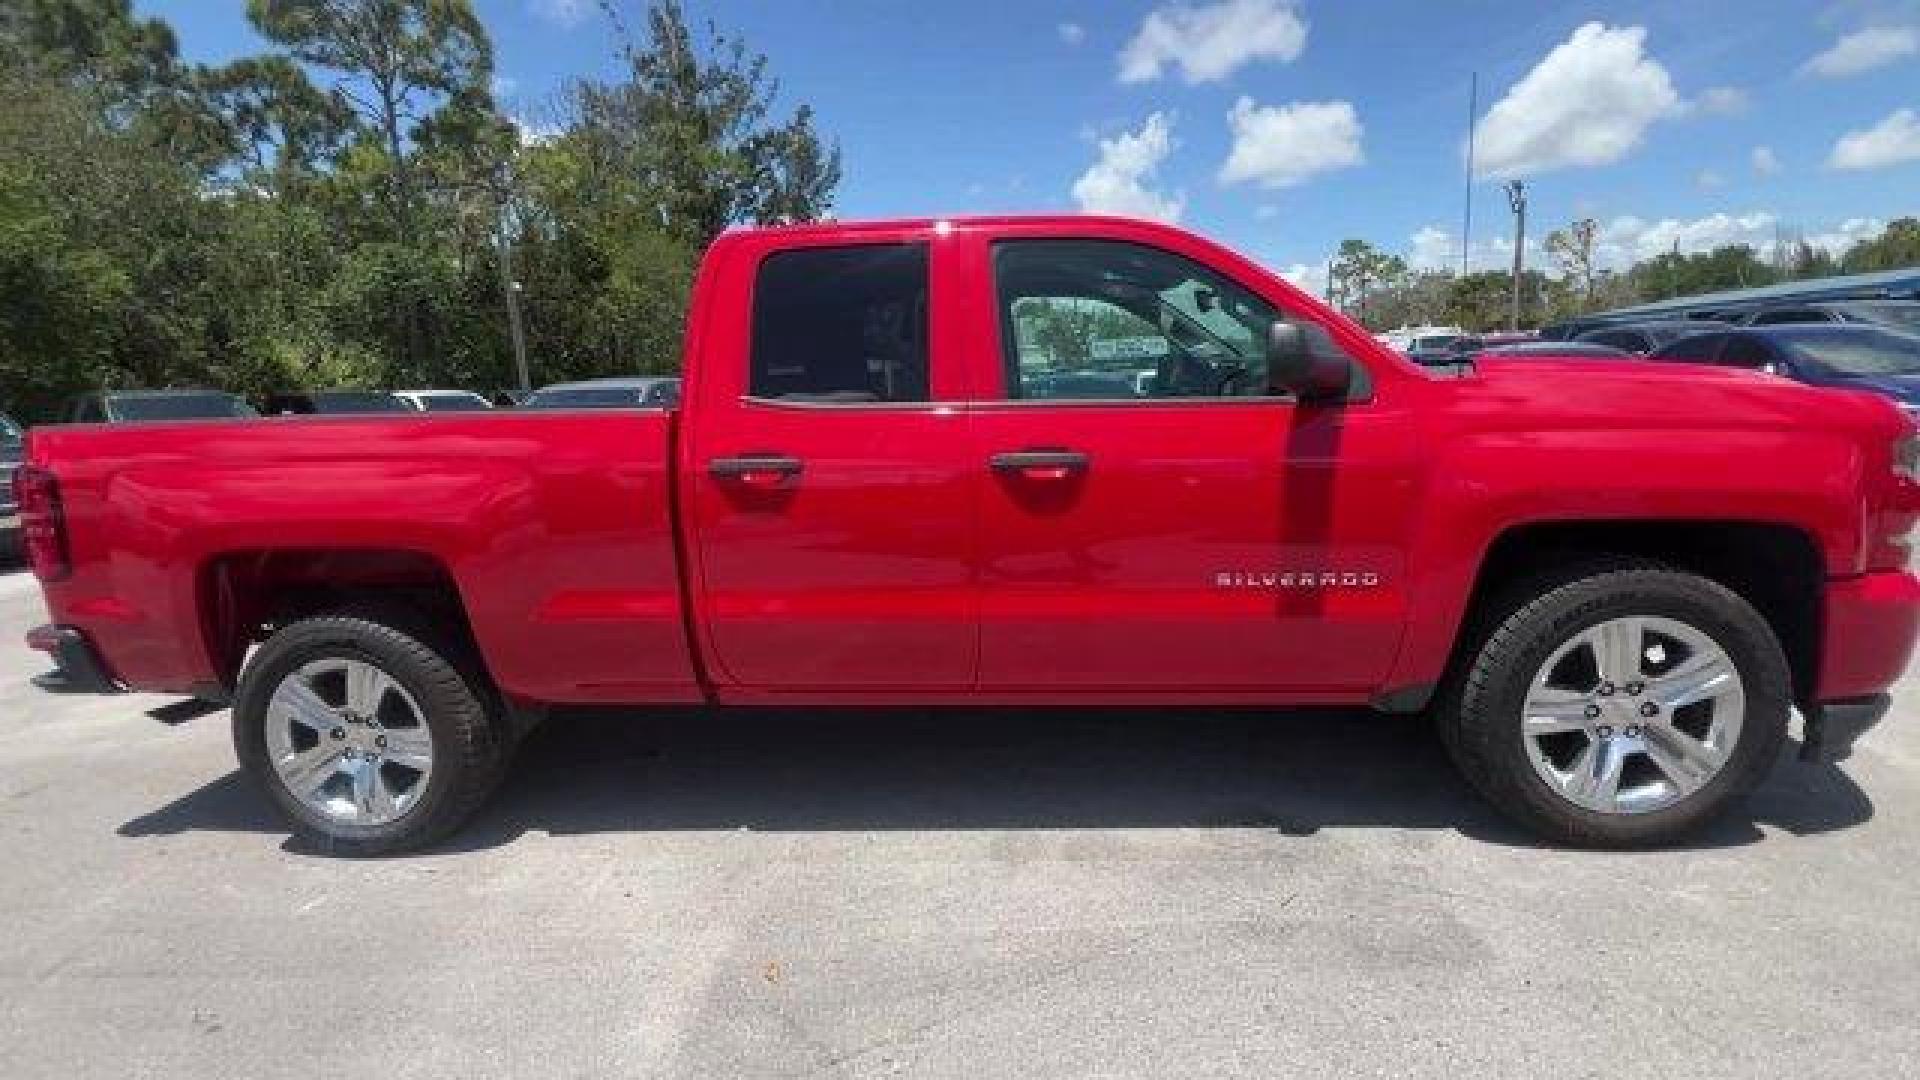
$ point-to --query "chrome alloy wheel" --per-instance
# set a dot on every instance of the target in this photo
(1632, 715)
(349, 742)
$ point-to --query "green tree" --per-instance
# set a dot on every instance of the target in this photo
(1896, 248)
(690, 126)
(1359, 270)
(1572, 250)
(395, 58)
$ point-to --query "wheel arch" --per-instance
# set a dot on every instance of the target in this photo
(1775, 566)
(243, 596)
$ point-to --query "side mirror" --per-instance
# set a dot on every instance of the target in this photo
(1309, 374)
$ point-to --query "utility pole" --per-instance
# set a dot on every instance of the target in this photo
(1466, 218)
(1517, 198)
(510, 287)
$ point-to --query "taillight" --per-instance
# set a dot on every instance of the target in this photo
(43, 526)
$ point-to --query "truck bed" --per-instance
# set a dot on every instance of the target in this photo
(555, 528)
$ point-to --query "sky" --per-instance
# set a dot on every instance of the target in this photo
(1282, 127)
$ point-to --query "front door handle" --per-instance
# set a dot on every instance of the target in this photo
(756, 470)
(1040, 464)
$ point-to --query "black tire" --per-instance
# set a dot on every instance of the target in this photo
(1480, 715)
(459, 707)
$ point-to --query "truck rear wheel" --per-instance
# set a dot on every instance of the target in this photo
(1621, 706)
(372, 732)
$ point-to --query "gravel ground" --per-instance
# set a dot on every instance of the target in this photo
(938, 894)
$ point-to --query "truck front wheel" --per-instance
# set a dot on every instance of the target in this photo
(372, 733)
(1622, 706)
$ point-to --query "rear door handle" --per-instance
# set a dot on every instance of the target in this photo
(1040, 464)
(756, 470)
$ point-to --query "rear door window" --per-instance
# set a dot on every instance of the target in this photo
(1619, 339)
(1790, 315)
(841, 325)
(1698, 349)
(1745, 352)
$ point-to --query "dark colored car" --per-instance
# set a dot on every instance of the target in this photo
(1562, 349)
(1860, 356)
(1471, 344)
(1893, 314)
(11, 438)
(1645, 337)
(443, 400)
(1431, 349)
(334, 403)
(130, 406)
(606, 394)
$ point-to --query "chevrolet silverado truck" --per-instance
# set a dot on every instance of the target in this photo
(1011, 462)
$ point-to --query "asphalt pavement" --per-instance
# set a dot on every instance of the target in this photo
(934, 894)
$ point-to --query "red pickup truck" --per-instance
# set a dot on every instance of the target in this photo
(1013, 461)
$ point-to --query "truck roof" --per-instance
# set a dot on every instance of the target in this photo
(835, 228)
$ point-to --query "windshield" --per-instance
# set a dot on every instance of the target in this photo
(1857, 351)
(453, 403)
(1549, 350)
(584, 397)
(1664, 334)
(178, 407)
(357, 403)
(1900, 316)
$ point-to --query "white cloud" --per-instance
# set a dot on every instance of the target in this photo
(1837, 240)
(1433, 249)
(1266, 212)
(1720, 101)
(1627, 239)
(1709, 180)
(566, 13)
(534, 132)
(1279, 146)
(1588, 102)
(1893, 141)
(1072, 33)
(1765, 161)
(1864, 50)
(1118, 183)
(1307, 277)
(1209, 41)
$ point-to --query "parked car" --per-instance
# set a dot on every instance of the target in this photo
(1581, 350)
(443, 401)
(1611, 583)
(11, 438)
(1857, 356)
(132, 406)
(334, 402)
(1468, 344)
(1430, 349)
(606, 394)
(1893, 314)
(1643, 338)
